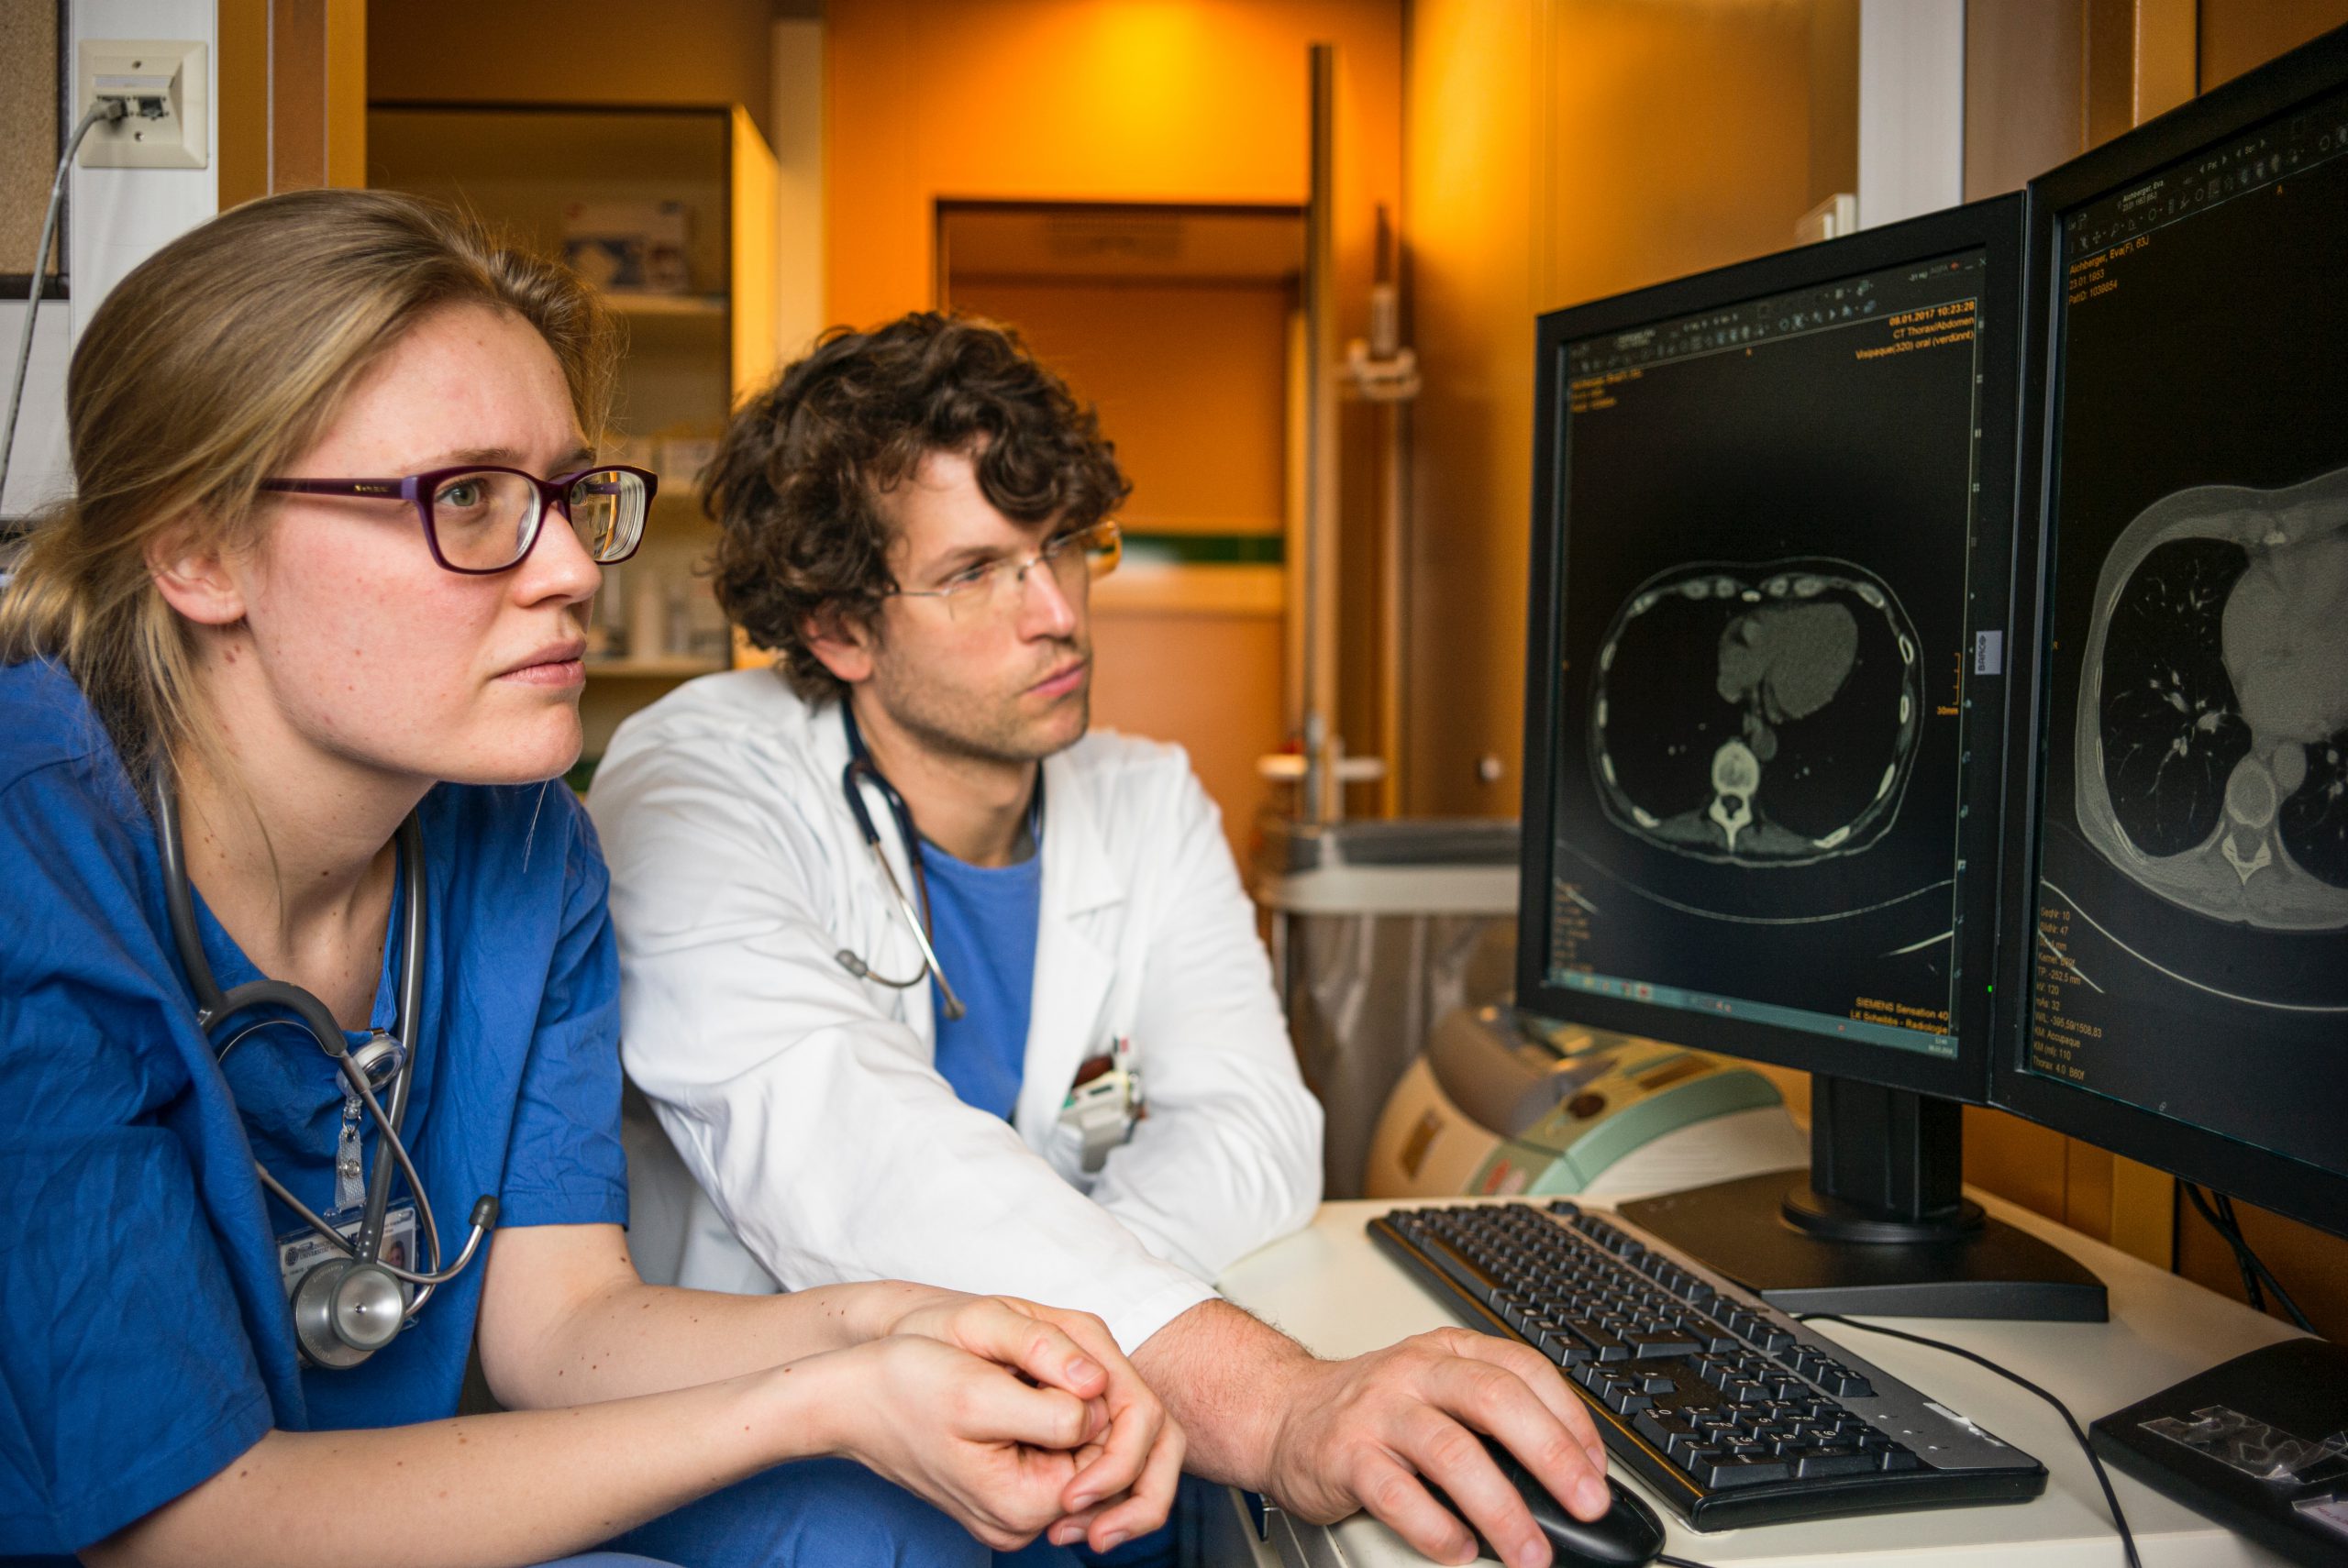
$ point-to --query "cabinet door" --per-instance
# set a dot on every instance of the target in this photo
(753, 265)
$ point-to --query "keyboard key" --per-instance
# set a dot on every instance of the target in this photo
(1708, 1335)
(1626, 1399)
(1896, 1458)
(1722, 1473)
(1844, 1384)
(1838, 1460)
(1601, 1340)
(1648, 1346)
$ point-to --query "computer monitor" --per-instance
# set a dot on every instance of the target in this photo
(2176, 987)
(2175, 984)
(1772, 548)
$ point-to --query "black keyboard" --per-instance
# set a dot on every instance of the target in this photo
(1731, 1411)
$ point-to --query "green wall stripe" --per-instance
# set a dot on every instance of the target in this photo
(1209, 549)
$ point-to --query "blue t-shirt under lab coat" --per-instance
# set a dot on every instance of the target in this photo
(144, 1336)
(983, 922)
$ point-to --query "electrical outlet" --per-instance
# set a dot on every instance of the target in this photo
(168, 89)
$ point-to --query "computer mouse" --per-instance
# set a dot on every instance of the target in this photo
(1627, 1535)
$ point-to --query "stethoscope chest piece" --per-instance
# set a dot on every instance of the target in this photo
(345, 1310)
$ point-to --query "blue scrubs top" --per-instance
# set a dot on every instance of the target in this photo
(983, 922)
(144, 1336)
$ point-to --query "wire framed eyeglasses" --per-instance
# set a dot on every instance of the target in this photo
(995, 586)
(481, 519)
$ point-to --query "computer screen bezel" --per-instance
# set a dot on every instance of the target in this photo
(1995, 227)
(2271, 1181)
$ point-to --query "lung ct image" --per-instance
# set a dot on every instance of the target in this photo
(2193, 858)
(1769, 713)
(2211, 743)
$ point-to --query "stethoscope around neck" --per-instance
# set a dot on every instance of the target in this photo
(859, 771)
(349, 1306)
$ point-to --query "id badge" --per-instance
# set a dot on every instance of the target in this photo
(1103, 1104)
(298, 1252)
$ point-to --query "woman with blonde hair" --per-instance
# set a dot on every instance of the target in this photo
(303, 965)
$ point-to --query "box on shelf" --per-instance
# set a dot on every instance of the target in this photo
(684, 459)
(629, 247)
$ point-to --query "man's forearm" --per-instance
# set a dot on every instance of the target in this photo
(1229, 1379)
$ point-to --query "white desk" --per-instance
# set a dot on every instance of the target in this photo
(1330, 1287)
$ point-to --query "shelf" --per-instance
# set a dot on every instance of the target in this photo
(709, 306)
(663, 667)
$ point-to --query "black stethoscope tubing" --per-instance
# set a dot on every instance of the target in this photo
(213, 1005)
(859, 771)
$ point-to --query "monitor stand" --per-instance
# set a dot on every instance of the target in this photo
(1878, 1227)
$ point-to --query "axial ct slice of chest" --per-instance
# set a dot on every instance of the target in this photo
(1760, 713)
(2211, 752)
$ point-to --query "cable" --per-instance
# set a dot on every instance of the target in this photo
(2254, 1268)
(1670, 1561)
(2233, 1239)
(2245, 1258)
(2110, 1497)
(108, 109)
(2232, 1231)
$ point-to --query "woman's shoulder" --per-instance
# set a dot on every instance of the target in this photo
(61, 787)
(44, 723)
(81, 937)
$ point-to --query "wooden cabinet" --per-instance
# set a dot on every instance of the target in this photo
(690, 354)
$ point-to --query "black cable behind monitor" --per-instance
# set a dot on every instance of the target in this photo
(2254, 1268)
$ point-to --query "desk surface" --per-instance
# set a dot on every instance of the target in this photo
(1331, 1288)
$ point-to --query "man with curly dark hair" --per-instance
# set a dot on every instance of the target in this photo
(923, 980)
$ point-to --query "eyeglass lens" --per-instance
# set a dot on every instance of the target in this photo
(607, 512)
(1070, 559)
(486, 521)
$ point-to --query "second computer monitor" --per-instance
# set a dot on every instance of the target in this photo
(2179, 968)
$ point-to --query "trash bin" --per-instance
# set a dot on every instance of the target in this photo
(1379, 928)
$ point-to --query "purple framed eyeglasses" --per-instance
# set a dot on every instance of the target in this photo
(482, 519)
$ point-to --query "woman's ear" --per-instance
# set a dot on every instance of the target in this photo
(193, 577)
(840, 642)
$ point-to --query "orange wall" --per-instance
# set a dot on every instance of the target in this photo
(1205, 679)
(1088, 100)
(2238, 34)
(1190, 380)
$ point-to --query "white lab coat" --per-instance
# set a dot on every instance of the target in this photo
(803, 1102)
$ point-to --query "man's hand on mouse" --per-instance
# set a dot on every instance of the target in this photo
(1360, 1433)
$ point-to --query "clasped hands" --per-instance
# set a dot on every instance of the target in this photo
(1014, 1418)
